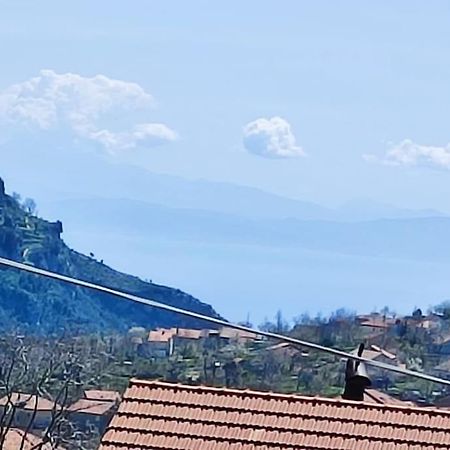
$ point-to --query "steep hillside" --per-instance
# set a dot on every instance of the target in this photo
(40, 305)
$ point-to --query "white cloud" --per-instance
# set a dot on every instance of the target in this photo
(50, 101)
(408, 153)
(149, 133)
(271, 138)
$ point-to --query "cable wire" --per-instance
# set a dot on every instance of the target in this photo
(217, 321)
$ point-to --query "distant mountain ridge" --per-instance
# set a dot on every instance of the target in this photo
(421, 238)
(80, 180)
(45, 306)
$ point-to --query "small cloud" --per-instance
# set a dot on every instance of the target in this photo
(408, 153)
(70, 101)
(151, 134)
(271, 138)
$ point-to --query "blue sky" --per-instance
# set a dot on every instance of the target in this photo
(351, 78)
(321, 101)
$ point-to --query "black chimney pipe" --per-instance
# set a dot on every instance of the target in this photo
(356, 378)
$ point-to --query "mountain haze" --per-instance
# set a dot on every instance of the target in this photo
(79, 180)
(421, 238)
(240, 248)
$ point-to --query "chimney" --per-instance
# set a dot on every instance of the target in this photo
(356, 378)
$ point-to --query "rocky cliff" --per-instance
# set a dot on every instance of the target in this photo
(31, 303)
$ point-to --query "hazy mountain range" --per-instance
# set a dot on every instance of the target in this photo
(239, 248)
(244, 250)
(419, 238)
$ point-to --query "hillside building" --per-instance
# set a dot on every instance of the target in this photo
(94, 409)
(22, 407)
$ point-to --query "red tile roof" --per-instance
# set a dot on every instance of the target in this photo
(162, 416)
(186, 333)
(92, 407)
(28, 401)
(375, 352)
(161, 335)
(15, 436)
(95, 394)
(232, 333)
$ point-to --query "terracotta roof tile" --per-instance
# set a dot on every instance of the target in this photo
(162, 416)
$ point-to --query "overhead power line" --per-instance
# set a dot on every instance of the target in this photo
(216, 321)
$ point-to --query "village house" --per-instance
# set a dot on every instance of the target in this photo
(95, 409)
(160, 343)
(375, 322)
(25, 406)
(163, 342)
(188, 337)
(157, 415)
(228, 334)
(431, 322)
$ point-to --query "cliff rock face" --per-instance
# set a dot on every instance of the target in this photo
(40, 305)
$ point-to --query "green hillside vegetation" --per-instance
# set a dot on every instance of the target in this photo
(420, 342)
(38, 305)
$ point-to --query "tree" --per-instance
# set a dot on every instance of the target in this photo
(443, 309)
(302, 319)
(246, 322)
(17, 197)
(33, 370)
(29, 205)
(282, 326)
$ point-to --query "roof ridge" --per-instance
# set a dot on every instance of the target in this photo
(281, 396)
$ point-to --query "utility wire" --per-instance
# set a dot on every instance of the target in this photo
(173, 309)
